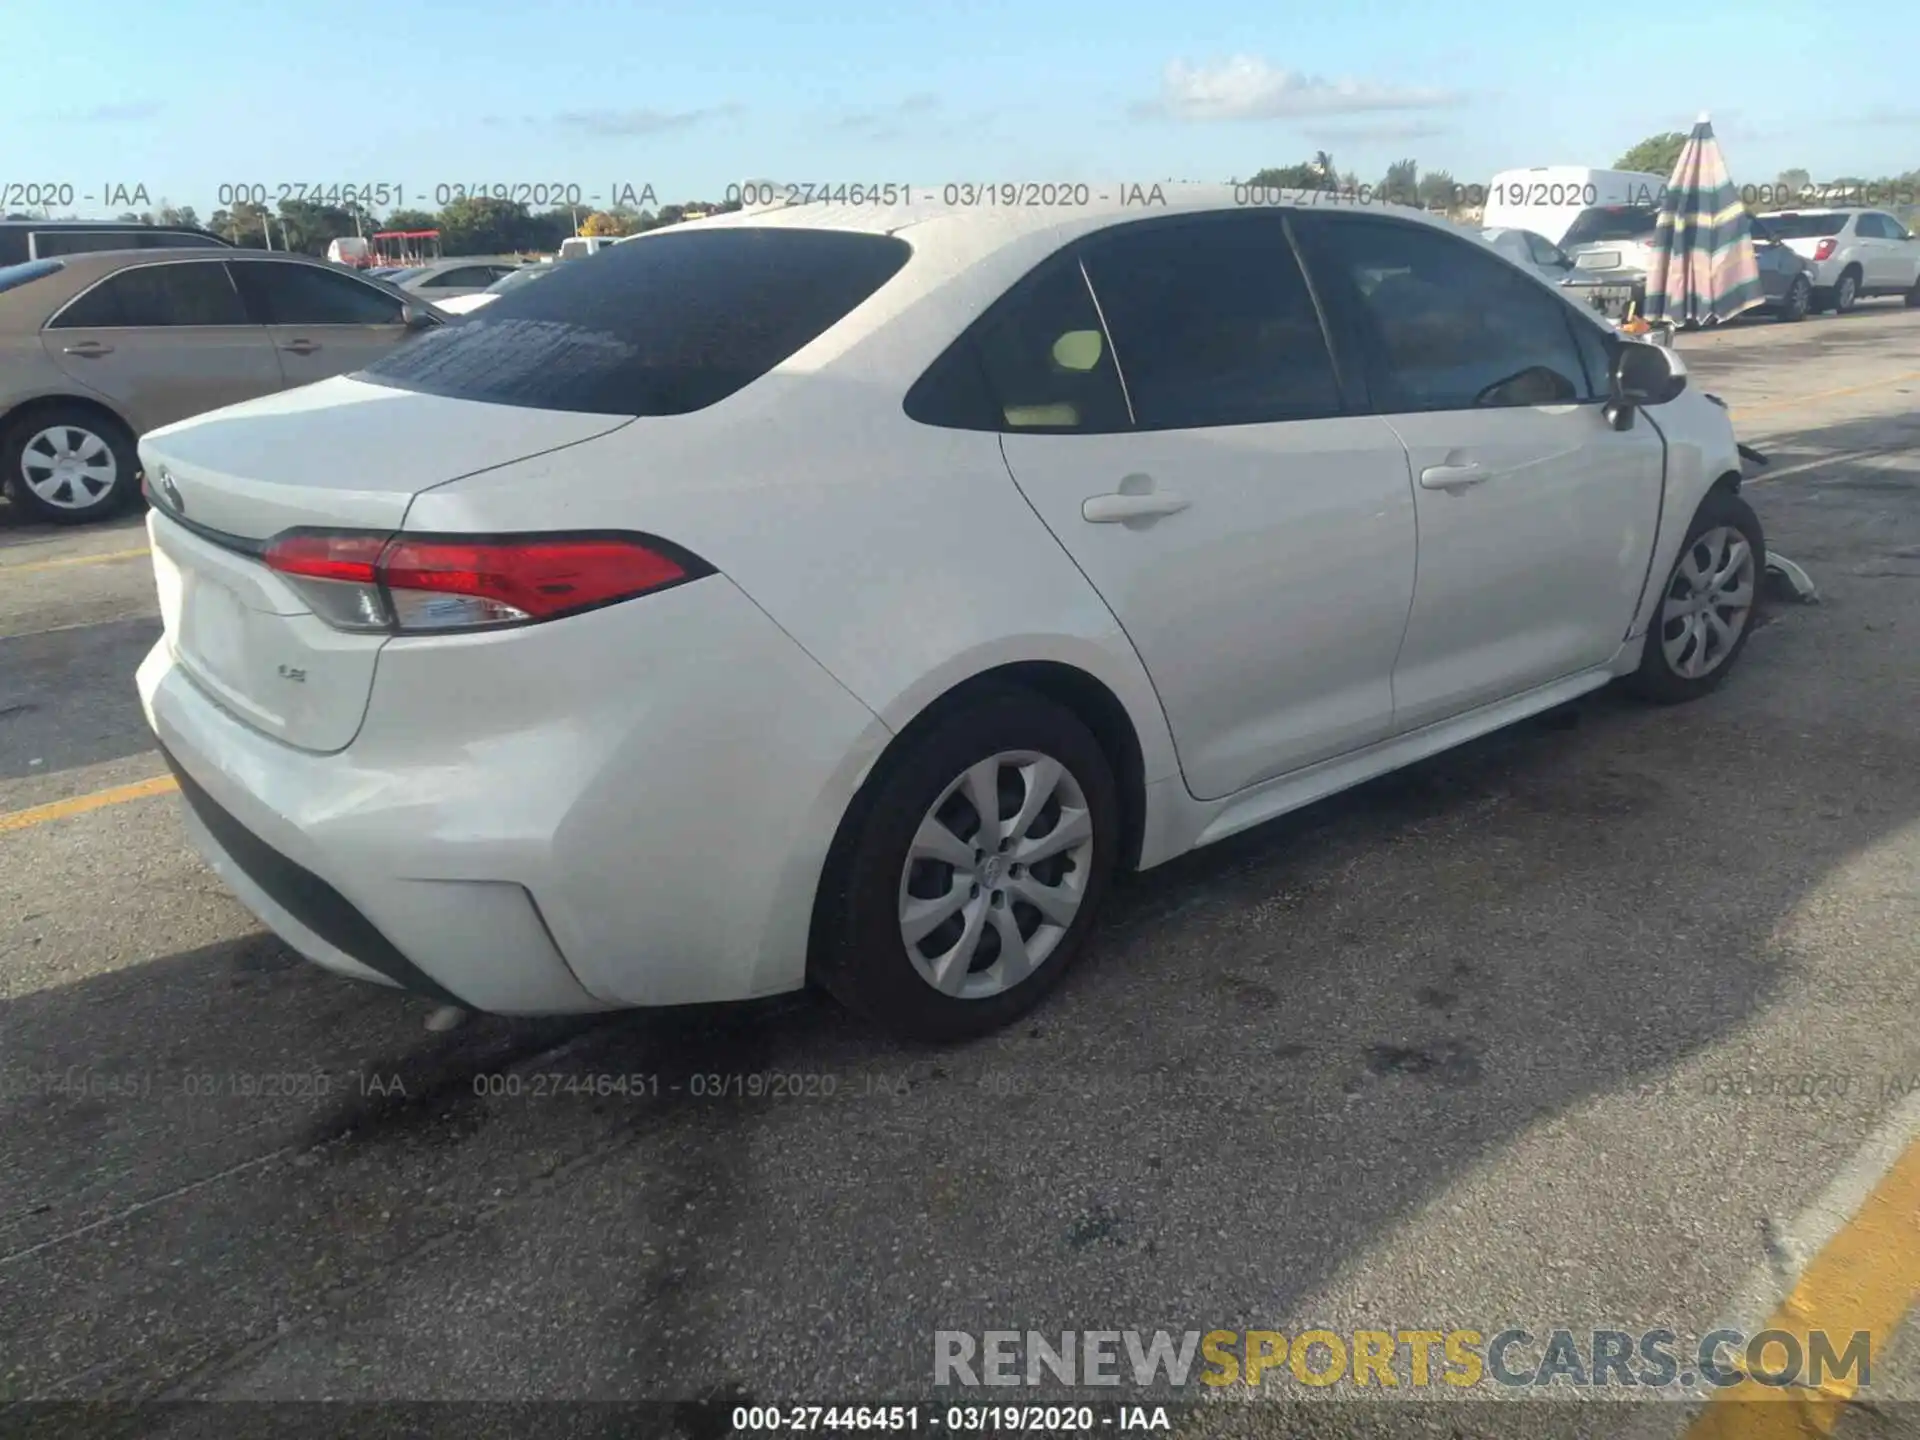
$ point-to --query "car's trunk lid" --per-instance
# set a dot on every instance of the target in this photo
(341, 454)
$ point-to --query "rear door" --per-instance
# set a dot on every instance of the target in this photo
(164, 341)
(1536, 518)
(322, 320)
(1184, 435)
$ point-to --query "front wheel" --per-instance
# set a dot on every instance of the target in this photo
(1799, 299)
(974, 873)
(1706, 609)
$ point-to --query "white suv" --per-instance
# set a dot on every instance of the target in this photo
(1853, 253)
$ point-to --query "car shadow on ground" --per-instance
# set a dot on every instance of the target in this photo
(1280, 1049)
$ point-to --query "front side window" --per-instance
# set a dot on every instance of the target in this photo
(293, 294)
(155, 296)
(1445, 326)
(1212, 323)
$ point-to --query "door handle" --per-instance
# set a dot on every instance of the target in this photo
(1453, 478)
(1121, 506)
(88, 349)
(301, 347)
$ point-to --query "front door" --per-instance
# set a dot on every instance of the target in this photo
(1536, 518)
(323, 322)
(1173, 415)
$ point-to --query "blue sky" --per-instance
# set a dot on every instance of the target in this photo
(184, 97)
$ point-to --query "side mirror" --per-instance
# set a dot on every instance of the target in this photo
(417, 317)
(1642, 375)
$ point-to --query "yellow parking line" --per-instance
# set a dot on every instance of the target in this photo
(1789, 401)
(72, 560)
(80, 804)
(1866, 1278)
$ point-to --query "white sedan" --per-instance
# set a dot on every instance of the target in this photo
(848, 595)
(505, 285)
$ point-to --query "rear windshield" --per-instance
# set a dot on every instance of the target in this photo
(1803, 227)
(14, 276)
(1612, 222)
(669, 325)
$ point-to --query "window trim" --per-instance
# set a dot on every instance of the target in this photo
(1320, 226)
(52, 322)
(327, 269)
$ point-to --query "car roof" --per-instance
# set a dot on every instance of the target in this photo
(959, 230)
(95, 263)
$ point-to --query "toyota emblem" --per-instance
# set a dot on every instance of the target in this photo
(172, 492)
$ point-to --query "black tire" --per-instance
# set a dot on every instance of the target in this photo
(1913, 295)
(860, 955)
(1797, 301)
(78, 421)
(1657, 679)
(1846, 293)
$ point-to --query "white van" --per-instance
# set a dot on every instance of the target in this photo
(1551, 199)
(578, 247)
(348, 250)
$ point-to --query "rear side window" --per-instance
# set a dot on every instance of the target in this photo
(14, 276)
(1038, 360)
(666, 326)
(157, 296)
(1213, 323)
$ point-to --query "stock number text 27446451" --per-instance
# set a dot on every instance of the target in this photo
(368, 195)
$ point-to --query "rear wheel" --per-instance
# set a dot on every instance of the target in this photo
(1913, 295)
(972, 878)
(1707, 607)
(1846, 292)
(69, 464)
(1798, 299)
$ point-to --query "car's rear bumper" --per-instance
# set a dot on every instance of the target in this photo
(627, 807)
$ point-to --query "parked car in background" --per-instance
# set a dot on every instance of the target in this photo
(1532, 251)
(505, 285)
(1613, 245)
(447, 279)
(97, 349)
(1851, 254)
(578, 247)
(1552, 200)
(899, 623)
(24, 240)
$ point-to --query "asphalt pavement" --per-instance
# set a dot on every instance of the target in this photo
(1563, 1030)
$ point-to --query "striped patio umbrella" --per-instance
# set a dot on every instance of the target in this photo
(1702, 269)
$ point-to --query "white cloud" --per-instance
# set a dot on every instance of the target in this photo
(1365, 134)
(638, 122)
(1248, 88)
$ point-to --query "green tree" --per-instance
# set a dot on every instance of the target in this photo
(1655, 155)
(1437, 190)
(1288, 177)
(481, 225)
(1323, 167)
(411, 220)
(1402, 182)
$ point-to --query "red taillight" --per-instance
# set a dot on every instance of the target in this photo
(1824, 250)
(408, 583)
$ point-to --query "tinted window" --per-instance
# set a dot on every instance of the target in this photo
(1805, 227)
(1444, 325)
(13, 245)
(467, 277)
(310, 295)
(1038, 360)
(81, 242)
(158, 295)
(180, 240)
(1612, 222)
(14, 276)
(669, 325)
(1876, 227)
(1212, 324)
(1545, 252)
